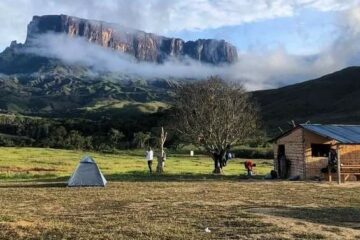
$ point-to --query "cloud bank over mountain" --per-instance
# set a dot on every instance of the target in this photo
(259, 68)
(78, 51)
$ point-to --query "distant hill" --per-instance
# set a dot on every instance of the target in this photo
(333, 98)
(67, 91)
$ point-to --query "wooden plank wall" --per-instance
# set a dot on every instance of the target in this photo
(350, 154)
(314, 164)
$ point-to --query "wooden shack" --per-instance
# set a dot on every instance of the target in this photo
(305, 150)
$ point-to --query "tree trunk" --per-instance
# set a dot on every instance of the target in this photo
(161, 157)
(160, 164)
(217, 164)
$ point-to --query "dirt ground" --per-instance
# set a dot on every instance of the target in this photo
(211, 209)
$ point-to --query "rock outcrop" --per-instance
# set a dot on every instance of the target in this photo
(143, 46)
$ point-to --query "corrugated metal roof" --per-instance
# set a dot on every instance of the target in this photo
(342, 133)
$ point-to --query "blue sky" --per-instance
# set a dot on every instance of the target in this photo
(279, 42)
(305, 33)
(300, 26)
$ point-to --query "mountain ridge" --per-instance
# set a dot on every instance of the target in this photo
(143, 46)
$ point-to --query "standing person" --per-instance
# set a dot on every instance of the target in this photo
(249, 165)
(227, 155)
(332, 160)
(149, 155)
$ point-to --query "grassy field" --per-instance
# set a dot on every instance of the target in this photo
(54, 164)
(180, 205)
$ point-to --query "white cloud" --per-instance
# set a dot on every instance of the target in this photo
(352, 21)
(159, 16)
(99, 59)
(277, 67)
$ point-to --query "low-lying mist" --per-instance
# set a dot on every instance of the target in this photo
(256, 70)
(76, 50)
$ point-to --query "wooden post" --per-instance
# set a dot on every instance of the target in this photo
(338, 163)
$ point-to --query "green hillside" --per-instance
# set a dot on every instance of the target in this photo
(333, 98)
(35, 85)
(61, 91)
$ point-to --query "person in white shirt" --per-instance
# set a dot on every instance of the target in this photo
(149, 155)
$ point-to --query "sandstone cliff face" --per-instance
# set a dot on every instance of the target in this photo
(143, 46)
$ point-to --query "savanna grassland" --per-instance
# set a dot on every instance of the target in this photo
(35, 204)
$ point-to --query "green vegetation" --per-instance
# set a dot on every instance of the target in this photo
(127, 106)
(34, 85)
(103, 135)
(265, 152)
(53, 164)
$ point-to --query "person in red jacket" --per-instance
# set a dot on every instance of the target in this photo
(249, 165)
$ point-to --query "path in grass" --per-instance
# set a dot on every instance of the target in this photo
(54, 164)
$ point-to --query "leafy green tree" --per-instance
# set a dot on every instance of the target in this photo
(115, 137)
(88, 143)
(6, 142)
(58, 137)
(141, 138)
(75, 140)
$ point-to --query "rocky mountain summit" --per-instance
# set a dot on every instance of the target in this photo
(143, 46)
(43, 84)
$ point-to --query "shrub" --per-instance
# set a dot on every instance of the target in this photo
(254, 153)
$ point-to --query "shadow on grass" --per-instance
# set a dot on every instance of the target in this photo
(141, 176)
(34, 185)
(138, 176)
(336, 216)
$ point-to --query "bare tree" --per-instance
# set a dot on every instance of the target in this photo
(215, 115)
